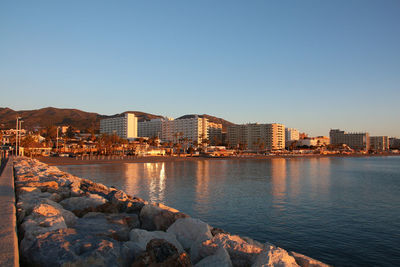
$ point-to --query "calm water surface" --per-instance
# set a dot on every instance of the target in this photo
(343, 211)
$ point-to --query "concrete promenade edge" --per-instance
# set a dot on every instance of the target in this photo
(9, 255)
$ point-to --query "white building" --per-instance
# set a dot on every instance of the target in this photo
(151, 128)
(313, 141)
(193, 129)
(125, 126)
(291, 134)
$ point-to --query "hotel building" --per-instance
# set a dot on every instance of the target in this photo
(255, 135)
(236, 135)
(214, 133)
(379, 143)
(194, 129)
(357, 141)
(151, 128)
(394, 143)
(313, 141)
(291, 134)
(124, 126)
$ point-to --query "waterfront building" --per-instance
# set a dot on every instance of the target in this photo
(257, 136)
(214, 133)
(291, 134)
(313, 141)
(379, 143)
(357, 141)
(394, 143)
(237, 135)
(125, 126)
(193, 129)
(151, 128)
(303, 135)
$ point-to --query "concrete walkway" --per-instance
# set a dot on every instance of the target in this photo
(8, 227)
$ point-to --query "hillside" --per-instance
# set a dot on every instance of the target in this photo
(55, 116)
(210, 118)
(76, 118)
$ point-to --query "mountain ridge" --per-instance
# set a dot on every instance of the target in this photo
(82, 120)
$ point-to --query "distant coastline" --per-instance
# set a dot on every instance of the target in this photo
(58, 161)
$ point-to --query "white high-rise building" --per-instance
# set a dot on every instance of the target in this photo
(193, 129)
(291, 134)
(124, 126)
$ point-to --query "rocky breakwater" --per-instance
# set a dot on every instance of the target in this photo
(64, 220)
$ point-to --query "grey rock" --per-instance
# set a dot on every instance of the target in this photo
(143, 237)
(240, 251)
(305, 261)
(66, 247)
(76, 204)
(157, 216)
(189, 231)
(130, 251)
(160, 252)
(116, 226)
(219, 259)
(275, 257)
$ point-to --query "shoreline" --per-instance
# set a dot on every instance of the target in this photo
(61, 161)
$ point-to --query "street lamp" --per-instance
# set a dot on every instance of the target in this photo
(58, 127)
(16, 136)
(20, 134)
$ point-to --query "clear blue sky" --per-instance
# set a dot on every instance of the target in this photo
(312, 65)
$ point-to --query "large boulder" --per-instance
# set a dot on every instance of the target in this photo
(27, 202)
(273, 256)
(43, 218)
(67, 247)
(241, 252)
(219, 259)
(82, 205)
(142, 238)
(50, 186)
(99, 224)
(305, 261)
(160, 252)
(189, 231)
(94, 188)
(134, 206)
(131, 250)
(157, 216)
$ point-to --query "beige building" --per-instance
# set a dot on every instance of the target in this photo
(379, 143)
(357, 141)
(256, 136)
(125, 126)
(291, 134)
(193, 129)
(214, 133)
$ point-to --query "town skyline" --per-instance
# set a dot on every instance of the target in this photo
(306, 131)
(310, 65)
